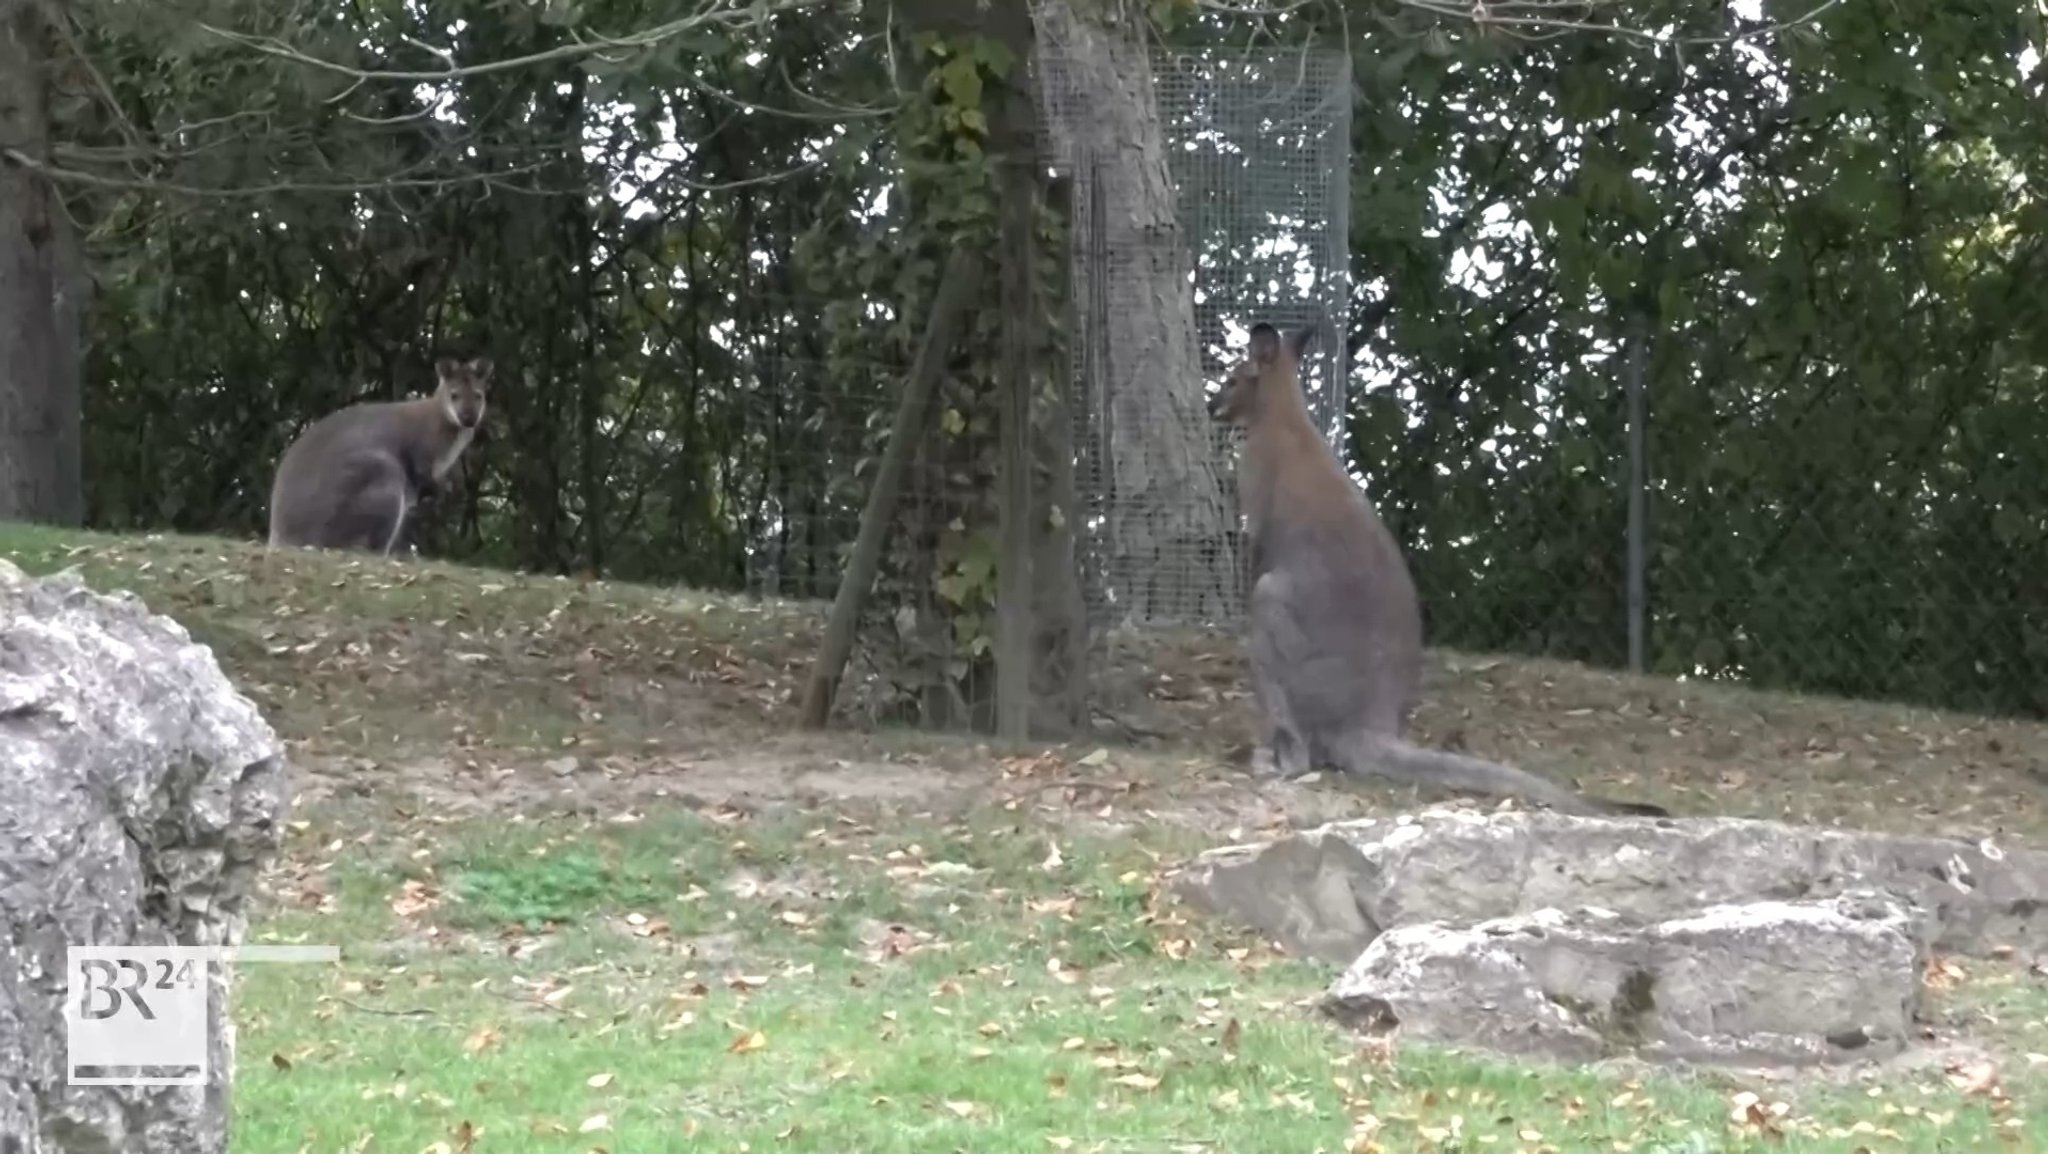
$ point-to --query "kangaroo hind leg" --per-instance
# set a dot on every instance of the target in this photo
(373, 518)
(1281, 748)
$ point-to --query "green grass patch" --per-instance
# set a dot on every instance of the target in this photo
(535, 882)
(803, 983)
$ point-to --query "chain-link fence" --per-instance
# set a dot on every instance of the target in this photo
(803, 443)
(1720, 512)
(805, 438)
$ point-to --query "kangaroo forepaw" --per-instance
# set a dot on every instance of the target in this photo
(1264, 764)
(1284, 760)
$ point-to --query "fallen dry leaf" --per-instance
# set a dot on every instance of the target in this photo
(1974, 1078)
(413, 898)
(1053, 861)
(1942, 974)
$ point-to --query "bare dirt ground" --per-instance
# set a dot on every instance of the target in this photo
(460, 691)
(1174, 722)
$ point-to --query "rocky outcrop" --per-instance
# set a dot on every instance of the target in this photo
(1328, 892)
(1709, 939)
(1777, 983)
(143, 794)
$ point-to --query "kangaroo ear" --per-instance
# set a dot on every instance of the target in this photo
(444, 367)
(480, 367)
(1265, 343)
(1299, 341)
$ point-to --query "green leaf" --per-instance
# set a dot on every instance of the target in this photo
(1671, 301)
(2011, 525)
(1391, 69)
(960, 80)
(978, 563)
(995, 56)
(953, 588)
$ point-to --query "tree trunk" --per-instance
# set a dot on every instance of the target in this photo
(41, 475)
(1060, 688)
(1171, 546)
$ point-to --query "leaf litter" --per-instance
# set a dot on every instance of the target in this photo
(1660, 728)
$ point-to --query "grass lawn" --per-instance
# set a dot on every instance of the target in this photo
(591, 894)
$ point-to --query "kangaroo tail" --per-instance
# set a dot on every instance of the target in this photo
(1378, 755)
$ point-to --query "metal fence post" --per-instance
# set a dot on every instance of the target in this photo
(1638, 543)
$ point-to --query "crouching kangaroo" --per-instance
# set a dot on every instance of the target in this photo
(354, 476)
(1336, 630)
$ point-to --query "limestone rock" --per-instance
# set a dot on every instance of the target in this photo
(1780, 983)
(1328, 892)
(143, 794)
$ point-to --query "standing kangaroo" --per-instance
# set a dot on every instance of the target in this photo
(354, 475)
(1336, 630)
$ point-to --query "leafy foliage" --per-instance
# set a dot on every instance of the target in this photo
(1823, 234)
(702, 263)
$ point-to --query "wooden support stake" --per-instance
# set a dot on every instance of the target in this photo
(1060, 620)
(949, 312)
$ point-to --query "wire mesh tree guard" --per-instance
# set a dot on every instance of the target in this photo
(1229, 208)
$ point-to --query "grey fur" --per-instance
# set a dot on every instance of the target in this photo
(354, 476)
(1335, 626)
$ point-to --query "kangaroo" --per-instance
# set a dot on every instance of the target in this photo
(354, 475)
(1335, 625)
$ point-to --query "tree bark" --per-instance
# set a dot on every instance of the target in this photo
(1170, 534)
(41, 472)
(1060, 616)
(1016, 512)
(1013, 136)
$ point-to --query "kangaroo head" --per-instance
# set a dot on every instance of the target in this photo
(1271, 366)
(462, 387)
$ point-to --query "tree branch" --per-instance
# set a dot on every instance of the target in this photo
(1510, 14)
(1544, 16)
(725, 13)
(94, 180)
